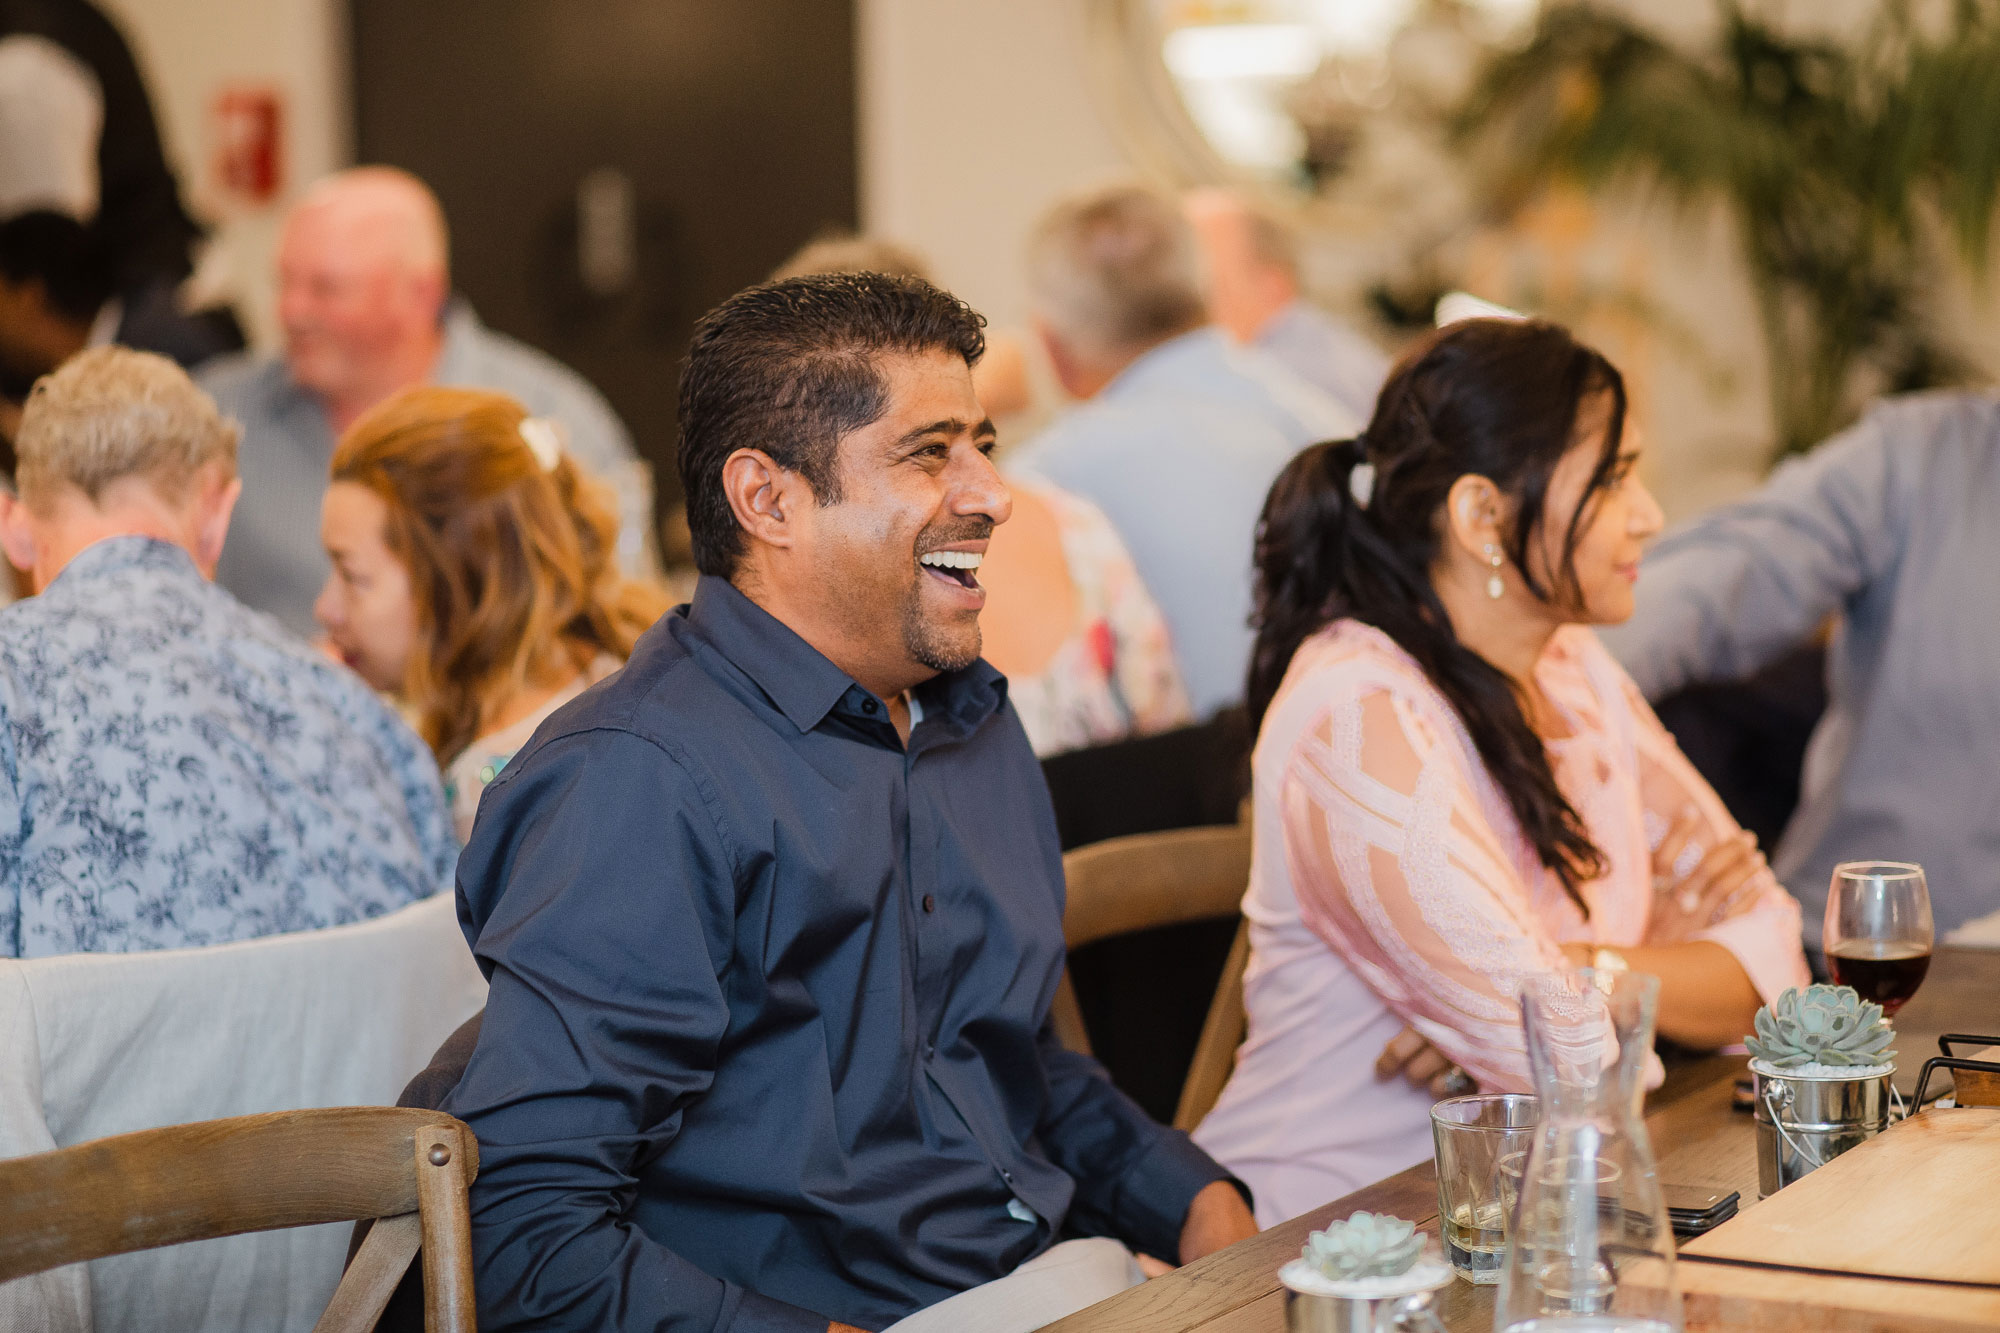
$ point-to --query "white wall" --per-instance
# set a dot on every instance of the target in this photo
(976, 115)
(189, 50)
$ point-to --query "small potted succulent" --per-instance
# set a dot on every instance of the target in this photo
(1820, 1064)
(1370, 1274)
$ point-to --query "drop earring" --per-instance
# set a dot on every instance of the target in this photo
(1494, 587)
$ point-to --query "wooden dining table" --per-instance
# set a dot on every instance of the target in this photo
(1697, 1138)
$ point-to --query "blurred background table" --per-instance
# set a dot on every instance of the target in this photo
(1697, 1139)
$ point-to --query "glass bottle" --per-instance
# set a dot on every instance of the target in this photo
(1590, 1250)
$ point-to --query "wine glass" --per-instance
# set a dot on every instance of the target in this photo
(1878, 930)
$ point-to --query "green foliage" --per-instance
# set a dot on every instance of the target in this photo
(1365, 1245)
(1829, 157)
(1821, 1025)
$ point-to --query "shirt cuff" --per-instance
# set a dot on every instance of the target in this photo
(761, 1314)
(1156, 1193)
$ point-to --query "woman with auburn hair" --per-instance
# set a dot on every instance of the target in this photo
(1455, 788)
(473, 575)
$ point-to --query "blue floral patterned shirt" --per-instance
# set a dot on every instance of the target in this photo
(176, 769)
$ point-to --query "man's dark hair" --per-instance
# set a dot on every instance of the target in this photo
(791, 366)
(62, 254)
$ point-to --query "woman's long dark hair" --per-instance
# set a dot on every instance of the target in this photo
(1499, 398)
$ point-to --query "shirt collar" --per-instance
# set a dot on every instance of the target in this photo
(462, 332)
(113, 555)
(104, 329)
(801, 681)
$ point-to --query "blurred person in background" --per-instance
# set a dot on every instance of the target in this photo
(1179, 432)
(473, 576)
(364, 295)
(1455, 787)
(177, 769)
(1068, 620)
(95, 245)
(1891, 527)
(1252, 263)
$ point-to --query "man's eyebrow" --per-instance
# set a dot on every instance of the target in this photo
(948, 426)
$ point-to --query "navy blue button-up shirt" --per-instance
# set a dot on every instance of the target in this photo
(768, 1037)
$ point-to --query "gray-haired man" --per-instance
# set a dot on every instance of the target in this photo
(176, 769)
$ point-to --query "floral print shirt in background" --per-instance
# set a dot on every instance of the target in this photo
(1114, 676)
(176, 769)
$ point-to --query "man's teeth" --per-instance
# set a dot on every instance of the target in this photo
(951, 559)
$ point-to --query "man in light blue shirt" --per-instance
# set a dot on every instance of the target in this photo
(1253, 292)
(364, 297)
(176, 769)
(1894, 526)
(1181, 432)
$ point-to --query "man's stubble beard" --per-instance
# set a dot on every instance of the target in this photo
(925, 645)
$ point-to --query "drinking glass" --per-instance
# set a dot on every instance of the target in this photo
(1475, 1136)
(1878, 930)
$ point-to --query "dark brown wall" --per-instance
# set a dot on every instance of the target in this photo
(734, 119)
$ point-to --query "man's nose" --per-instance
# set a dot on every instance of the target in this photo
(980, 490)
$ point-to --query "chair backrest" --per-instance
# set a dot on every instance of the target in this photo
(182, 1183)
(1162, 879)
(95, 1045)
(1215, 1054)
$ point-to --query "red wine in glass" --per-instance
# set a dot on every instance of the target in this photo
(1885, 972)
(1878, 931)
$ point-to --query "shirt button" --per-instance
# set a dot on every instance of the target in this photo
(868, 707)
(1007, 1176)
(930, 1052)
(930, 902)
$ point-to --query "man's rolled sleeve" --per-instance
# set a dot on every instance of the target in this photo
(1727, 594)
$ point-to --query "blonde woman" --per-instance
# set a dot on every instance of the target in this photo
(473, 575)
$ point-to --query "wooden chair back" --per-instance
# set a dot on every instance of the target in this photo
(1148, 880)
(214, 1178)
(1215, 1053)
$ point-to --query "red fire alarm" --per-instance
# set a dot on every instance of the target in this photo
(249, 123)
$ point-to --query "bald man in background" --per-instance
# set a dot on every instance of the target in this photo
(364, 298)
(1252, 266)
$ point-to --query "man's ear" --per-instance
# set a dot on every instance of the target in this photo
(17, 534)
(1473, 515)
(218, 502)
(1062, 360)
(768, 499)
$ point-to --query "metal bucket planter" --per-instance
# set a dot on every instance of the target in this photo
(1806, 1119)
(1371, 1305)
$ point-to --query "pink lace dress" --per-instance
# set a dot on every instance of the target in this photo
(1390, 885)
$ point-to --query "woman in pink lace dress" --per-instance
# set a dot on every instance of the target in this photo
(1455, 787)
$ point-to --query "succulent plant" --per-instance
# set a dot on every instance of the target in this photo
(1825, 1025)
(1365, 1245)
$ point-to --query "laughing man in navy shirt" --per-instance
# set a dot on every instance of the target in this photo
(773, 916)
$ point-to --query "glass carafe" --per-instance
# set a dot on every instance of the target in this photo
(1590, 1250)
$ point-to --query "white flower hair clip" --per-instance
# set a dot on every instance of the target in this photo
(1361, 484)
(544, 439)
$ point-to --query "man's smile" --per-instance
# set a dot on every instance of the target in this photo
(960, 567)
